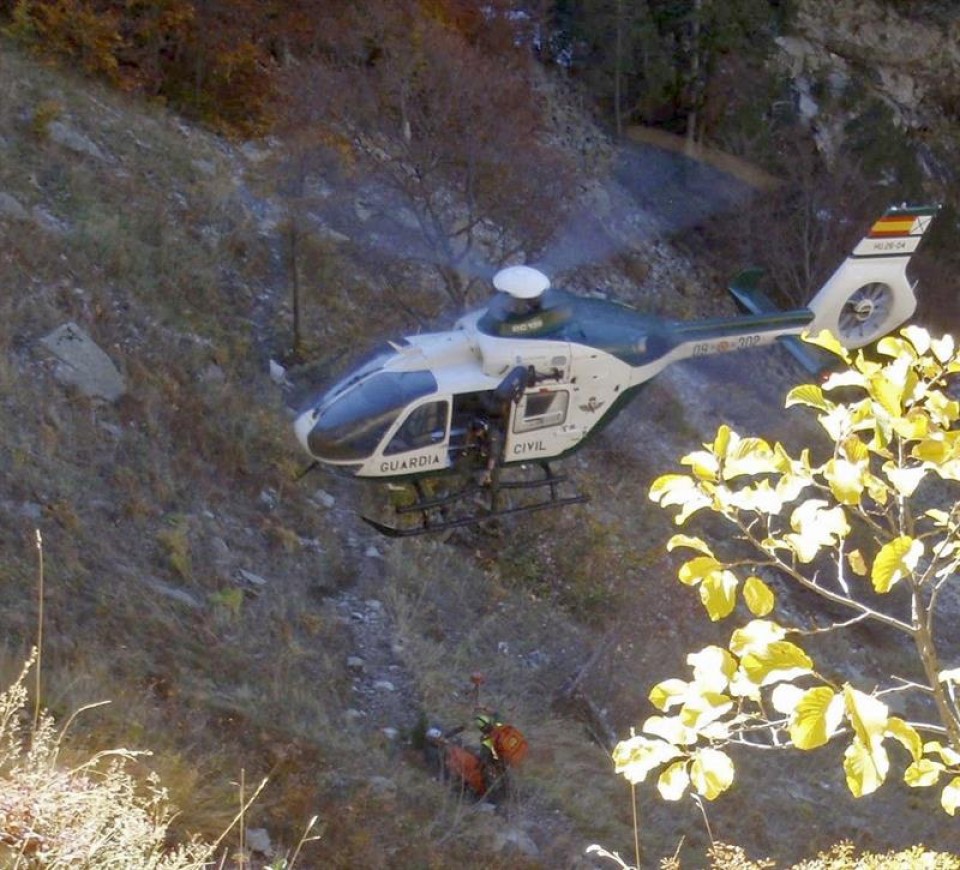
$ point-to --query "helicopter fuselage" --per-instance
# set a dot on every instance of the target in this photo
(537, 381)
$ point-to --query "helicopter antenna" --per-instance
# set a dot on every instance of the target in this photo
(521, 282)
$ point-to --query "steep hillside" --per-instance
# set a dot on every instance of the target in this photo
(245, 623)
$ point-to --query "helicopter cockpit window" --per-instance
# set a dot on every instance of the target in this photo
(352, 425)
(370, 363)
(540, 410)
(426, 425)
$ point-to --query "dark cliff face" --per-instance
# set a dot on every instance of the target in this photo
(841, 54)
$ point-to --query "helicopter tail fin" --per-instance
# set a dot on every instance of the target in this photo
(870, 294)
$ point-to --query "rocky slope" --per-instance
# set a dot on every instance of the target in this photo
(243, 621)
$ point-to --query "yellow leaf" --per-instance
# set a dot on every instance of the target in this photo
(748, 456)
(721, 442)
(668, 693)
(887, 393)
(846, 480)
(692, 543)
(950, 796)
(906, 735)
(905, 480)
(923, 773)
(758, 596)
(815, 718)
(867, 715)
(674, 781)
(780, 661)
(815, 526)
(712, 667)
(785, 697)
(947, 754)
(703, 464)
(918, 337)
(636, 757)
(949, 676)
(897, 559)
(827, 341)
(865, 769)
(857, 563)
(890, 345)
(809, 395)
(718, 592)
(702, 709)
(711, 772)
(671, 729)
(755, 636)
(698, 569)
(942, 348)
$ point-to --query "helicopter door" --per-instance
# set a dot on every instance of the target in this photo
(419, 444)
(537, 431)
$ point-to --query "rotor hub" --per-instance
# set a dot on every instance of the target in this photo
(521, 282)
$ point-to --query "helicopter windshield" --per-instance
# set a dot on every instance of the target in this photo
(370, 363)
(352, 425)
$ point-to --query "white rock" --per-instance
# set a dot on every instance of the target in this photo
(258, 840)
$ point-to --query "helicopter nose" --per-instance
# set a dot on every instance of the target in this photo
(303, 426)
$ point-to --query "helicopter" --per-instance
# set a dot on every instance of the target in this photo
(474, 416)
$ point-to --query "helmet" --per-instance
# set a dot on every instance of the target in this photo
(484, 721)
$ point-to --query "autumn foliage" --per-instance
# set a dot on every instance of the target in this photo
(219, 60)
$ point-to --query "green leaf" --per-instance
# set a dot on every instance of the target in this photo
(779, 661)
(758, 596)
(711, 772)
(950, 796)
(897, 559)
(674, 781)
(718, 592)
(923, 773)
(815, 718)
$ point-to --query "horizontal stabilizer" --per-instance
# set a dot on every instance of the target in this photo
(746, 291)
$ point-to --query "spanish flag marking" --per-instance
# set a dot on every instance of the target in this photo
(892, 225)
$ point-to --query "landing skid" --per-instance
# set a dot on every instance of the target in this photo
(437, 513)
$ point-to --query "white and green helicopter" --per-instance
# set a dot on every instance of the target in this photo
(529, 378)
